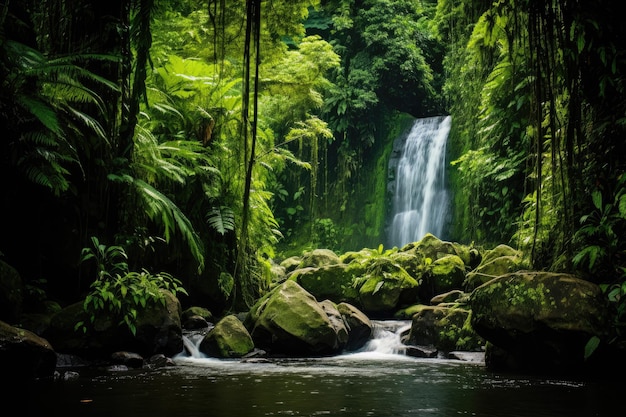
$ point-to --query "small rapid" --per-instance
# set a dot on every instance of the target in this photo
(386, 342)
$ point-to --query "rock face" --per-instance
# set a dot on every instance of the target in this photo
(541, 320)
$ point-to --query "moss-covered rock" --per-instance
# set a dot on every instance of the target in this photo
(333, 282)
(319, 257)
(24, 356)
(492, 268)
(228, 339)
(542, 319)
(446, 274)
(291, 263)
(290, 320)
(385, 287)
(358, 324)
(498, 251)
(412, 262)
(408, 312)
(197, 311)
(434, 248)
(446, 329)
(158, 330)
(448, 297)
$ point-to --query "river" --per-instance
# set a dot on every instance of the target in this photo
(376, 383)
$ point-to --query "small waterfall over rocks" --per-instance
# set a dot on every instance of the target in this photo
(417, 172)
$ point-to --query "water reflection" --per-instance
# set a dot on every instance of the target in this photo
(356, 385)
(378, 381)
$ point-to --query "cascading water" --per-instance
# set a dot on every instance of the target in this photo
(420, 198)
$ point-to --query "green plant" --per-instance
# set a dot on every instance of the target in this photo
(324, 233)
(600, 231)
(119, 291)
(110, 260)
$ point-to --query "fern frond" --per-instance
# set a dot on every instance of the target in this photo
(42, 112)
(221, 219)
(165, 213)
(90, 122)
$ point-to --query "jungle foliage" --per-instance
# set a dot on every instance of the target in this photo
(201, 137)
(538, 131)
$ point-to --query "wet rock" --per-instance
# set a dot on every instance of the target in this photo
(228, 339)
(541, 320)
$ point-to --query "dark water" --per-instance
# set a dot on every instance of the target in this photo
(358, 385)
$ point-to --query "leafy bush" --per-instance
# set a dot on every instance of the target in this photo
(120, 291)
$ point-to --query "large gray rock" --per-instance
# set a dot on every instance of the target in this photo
(542, 320)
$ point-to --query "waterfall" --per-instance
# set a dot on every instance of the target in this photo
(420, 199)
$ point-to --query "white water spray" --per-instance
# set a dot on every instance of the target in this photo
(420, 201)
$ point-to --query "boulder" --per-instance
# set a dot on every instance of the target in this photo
(158, 330)
(337, 321)
(289, 320)
(492, 268)
(319, 257)
(542, 320)
(196, 317)
(290, 264)
(333, 282)
(24, 356)
(445, 274)
(412, 262)
(434, 248)
(228, 339)
(447, 297)
(385, 287)
(445, 329)
(358, 324)
(498, 251)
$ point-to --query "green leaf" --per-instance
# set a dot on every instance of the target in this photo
(591, 346)
(221, 219)
(596, 196)
(622, 206)
(378, 287)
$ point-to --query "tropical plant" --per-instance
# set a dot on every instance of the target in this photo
(47, 126)
(121, 292)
